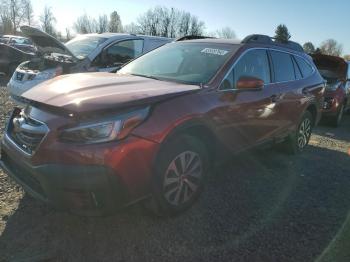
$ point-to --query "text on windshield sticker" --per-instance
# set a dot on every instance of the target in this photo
(214, 51)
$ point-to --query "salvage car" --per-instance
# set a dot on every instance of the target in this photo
(85, 53)
(336, 72)
(91, 143)
(19, 42)
(11, 57)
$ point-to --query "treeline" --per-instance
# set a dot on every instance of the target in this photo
(327, 47)
(157, 21)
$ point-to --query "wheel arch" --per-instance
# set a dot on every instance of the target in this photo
(195, 128)
(312, 108)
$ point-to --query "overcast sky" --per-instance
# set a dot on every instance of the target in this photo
(307, 20)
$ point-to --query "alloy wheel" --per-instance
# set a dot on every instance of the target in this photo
(304, 133)
(183, 178)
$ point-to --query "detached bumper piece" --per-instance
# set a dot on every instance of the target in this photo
(84, 190)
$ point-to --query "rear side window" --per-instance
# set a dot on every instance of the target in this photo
(305, 68)
(298, 74)
(253, 64)
(282, 66)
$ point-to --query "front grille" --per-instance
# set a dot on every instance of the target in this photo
(26, 132)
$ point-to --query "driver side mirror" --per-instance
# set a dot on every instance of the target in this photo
(248, 82)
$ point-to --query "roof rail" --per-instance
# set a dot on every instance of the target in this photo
(192, 37)
(264, 39)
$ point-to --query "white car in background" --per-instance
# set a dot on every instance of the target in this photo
(105, 52)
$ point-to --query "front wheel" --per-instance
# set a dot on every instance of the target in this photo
(297, 141)
(181, 171)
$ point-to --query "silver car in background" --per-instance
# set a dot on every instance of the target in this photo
(105, 52)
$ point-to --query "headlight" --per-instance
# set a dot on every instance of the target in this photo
(105, 131)
(45, 75)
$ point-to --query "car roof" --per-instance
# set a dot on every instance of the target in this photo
(214, 41)
(123, 35)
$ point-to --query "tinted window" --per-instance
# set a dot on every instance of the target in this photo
(253, 64)
(305, 68)
(124, 51)
(282, 66)
(297, 70)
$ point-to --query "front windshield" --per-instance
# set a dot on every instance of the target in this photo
(82, 46)
(191, 62)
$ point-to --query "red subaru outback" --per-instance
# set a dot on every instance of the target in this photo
(93, 142)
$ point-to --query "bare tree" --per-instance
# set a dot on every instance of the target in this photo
(68, 35)
(131, 28)
(28, 12)
(331, 47)
(85, 25)
(12, 11)
(162, 21)
(309, 48)
(102, 23)
(115, 23)
(47, 21)
(225, 32)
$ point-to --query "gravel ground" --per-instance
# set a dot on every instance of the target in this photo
(261, 206)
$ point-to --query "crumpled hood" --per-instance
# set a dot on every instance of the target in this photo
(100, 91)
(46, 43)
(337, 65)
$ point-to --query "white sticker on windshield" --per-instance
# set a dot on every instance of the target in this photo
(214, 51)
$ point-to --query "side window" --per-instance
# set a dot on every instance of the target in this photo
(298, 74)
(305, 68)
(282, 66)
(123, 52)
(253, 64)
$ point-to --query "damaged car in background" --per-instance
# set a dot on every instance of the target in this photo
(336, 72)
(105, 52)
(11, 57)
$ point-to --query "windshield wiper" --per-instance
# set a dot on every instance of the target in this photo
(147, 76)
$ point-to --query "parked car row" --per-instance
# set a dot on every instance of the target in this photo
(85, 53)
(22, 43)
(91, 143)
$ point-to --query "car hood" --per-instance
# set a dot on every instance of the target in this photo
(46, 43)
(337, 65)
(100, 91)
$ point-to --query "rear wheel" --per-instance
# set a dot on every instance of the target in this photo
(181, 171)
(297, 141)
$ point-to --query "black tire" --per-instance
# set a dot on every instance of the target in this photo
(170, 185)
(336, 121)
(296, 142)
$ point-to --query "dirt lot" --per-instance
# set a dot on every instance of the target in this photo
(262, 206)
